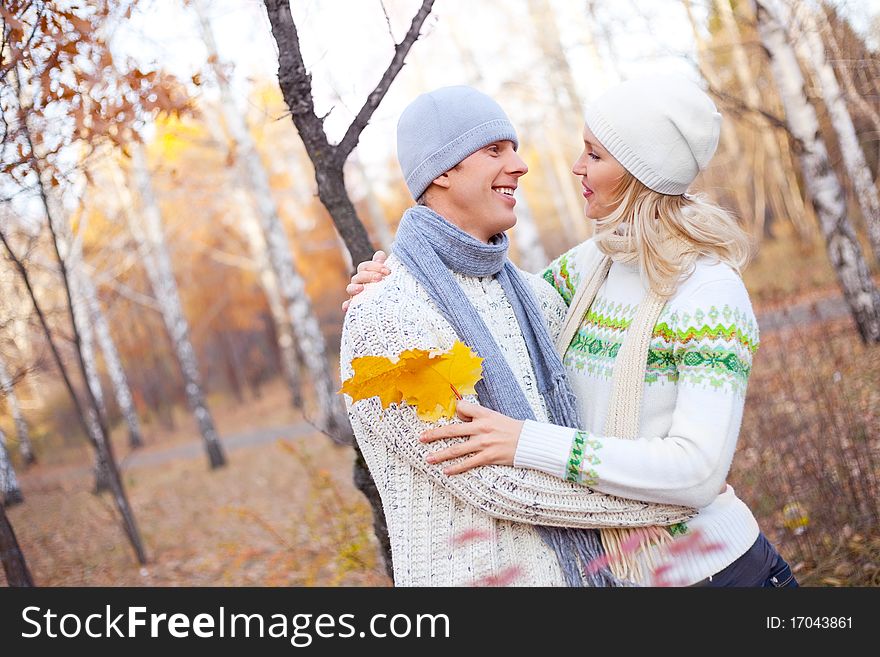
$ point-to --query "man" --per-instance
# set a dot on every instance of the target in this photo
(451, 279)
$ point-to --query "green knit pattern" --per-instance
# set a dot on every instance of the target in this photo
(583, 455)
(563, 276)
(706, 347)
(678, 529)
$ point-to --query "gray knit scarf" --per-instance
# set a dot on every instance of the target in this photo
(431, 248)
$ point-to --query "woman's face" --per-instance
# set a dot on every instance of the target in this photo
(600, 176)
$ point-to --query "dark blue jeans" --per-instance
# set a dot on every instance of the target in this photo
(761, 566)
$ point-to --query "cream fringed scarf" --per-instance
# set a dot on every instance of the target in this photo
(624, 406)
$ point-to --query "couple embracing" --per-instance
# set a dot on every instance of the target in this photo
(613, 382)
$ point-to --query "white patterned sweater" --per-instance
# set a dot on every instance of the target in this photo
(699, 360)
(473, 528)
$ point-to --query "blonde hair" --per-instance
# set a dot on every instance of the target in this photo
(655, 222)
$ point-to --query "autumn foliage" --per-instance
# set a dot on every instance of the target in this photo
(428, 380)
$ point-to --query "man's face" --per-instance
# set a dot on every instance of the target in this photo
(478, 194)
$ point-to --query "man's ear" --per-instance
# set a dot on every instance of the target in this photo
(442, 180)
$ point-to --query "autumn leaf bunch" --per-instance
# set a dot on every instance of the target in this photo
(428, 380)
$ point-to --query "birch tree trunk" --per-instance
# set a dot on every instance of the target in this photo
(820, 180)
(18, 330)
(151, 244)
(121, 388)
(852, 93)
(87, 346)
(87, 315)
(812, 50)
(21, 428)
(285, 335)
(331, 408)
(248, 225)
(10, 493)
(781, 174)
(14, 565)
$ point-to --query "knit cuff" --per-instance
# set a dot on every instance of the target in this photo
(544, 447)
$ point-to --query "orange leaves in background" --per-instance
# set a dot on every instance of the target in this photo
(430, 381)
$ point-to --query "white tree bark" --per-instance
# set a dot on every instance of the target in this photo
(852, 93)
(92, 324)
(290, 367)
(9, 489)
(21, 335)
(21, 428)
(87, 346)
(812, 51)
(87, 335)
(820, 180)
(112, 360)
(333, 418)
(150, 237)
(92, 414)
(781, 174)
(248, 225)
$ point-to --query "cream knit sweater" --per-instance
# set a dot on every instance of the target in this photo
(473, 528)
(699, 360)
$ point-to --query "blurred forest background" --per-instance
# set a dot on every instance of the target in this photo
(171, 276)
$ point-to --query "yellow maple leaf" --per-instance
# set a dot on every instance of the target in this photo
(428, 380)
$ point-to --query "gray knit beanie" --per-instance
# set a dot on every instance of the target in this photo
(441, 128)
(663, 129)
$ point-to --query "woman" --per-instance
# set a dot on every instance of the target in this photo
(658, 342)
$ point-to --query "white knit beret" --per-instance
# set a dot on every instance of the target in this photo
(663, 129)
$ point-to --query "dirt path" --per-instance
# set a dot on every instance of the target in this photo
(804, 313)
(157, 456)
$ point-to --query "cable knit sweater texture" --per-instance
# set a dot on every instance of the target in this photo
(699, 360)
(473, 528)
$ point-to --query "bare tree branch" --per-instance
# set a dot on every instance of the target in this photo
(328, 159)
(740, 107)
(387, 19)
(349, 141)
